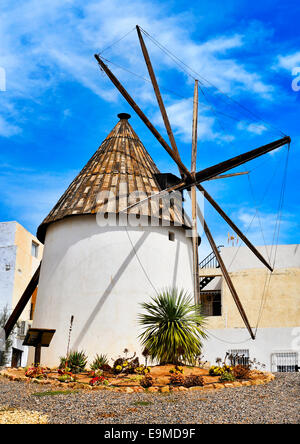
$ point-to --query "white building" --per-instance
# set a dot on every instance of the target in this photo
(271, 302)
(101, 274)
(20, 255)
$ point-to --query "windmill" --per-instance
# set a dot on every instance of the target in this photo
(190, 179)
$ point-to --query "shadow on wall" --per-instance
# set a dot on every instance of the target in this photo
(109, 289)
(176, 265)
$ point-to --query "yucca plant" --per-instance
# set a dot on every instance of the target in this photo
(173, 327)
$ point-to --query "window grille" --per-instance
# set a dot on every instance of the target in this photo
(239, 356)
(284, 362)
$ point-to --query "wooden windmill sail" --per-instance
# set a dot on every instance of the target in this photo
(192, 179)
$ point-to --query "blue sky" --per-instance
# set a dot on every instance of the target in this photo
(58, 107)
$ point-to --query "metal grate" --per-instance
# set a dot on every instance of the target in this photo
(239, 356)
(284, 362)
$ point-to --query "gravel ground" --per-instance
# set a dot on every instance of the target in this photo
(273, 403)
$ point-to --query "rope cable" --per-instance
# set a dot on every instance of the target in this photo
(276, 230)
(117, 41)
(173, 56)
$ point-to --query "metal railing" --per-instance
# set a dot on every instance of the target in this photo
(210, 261)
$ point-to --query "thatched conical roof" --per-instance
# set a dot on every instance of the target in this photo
(121, 165)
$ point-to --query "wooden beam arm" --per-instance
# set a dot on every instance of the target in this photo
(224, 272)
(236, 161)
(28, 292)
(224, 176)
(233, 226)
(142, 116)
(157, 91)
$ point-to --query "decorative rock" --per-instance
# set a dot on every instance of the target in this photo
(196, 387)
(228, 384)
(129, 390)
(35, 381)
(254, 382)
(218, 386)
(237, 384)
(165, 389)
(152, 389)
(246, 383)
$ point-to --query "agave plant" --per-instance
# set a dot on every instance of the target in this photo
(76, 361)
(99, 361)
(173, 327)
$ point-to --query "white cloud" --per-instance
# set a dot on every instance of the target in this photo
(180, 113)
(260, 226)
(44, 43)
(31, 194)
(288, 62)
(254, 128)
(7, 129)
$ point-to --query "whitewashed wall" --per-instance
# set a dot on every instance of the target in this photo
(268, 341)
(7, 263)
(97, 276)
(242, 258)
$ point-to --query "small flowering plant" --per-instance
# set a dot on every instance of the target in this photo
(94, 373)
(118, 368)
(98, 380)
(37, 372)
(67, 377)
(227, 376)
(142, 370)
(147, 381)
(176, 379)
(219, 371)
(64, 371)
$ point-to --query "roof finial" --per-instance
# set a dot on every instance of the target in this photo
(123, 116)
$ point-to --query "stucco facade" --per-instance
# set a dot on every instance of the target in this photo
(17, 265)
(271, 302)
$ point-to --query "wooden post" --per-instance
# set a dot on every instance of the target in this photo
(194, 198)
(37, 355)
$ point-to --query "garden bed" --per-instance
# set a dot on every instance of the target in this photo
(130, 383)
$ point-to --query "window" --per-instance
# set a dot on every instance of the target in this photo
(34, 249)
(211, 303)
(284, 362)
(16, 358)
(239, 356)
(171, 236)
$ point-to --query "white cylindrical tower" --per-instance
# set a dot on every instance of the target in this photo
(99, 272)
